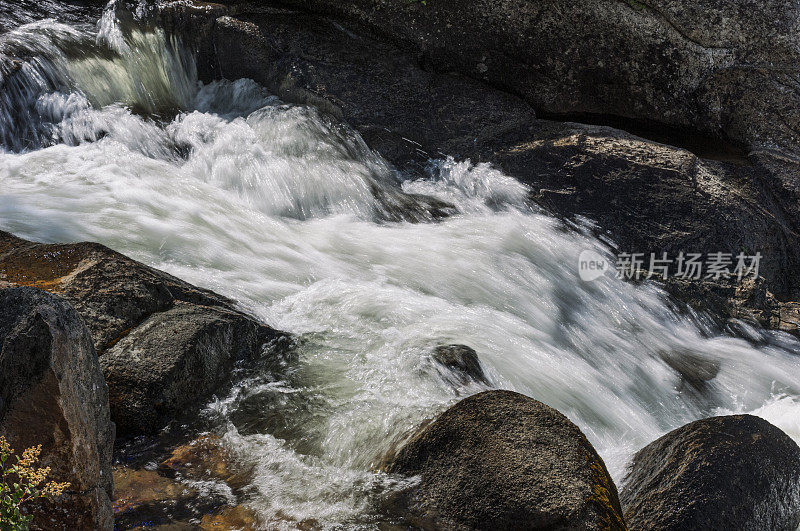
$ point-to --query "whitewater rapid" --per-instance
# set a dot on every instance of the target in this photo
(289, 213)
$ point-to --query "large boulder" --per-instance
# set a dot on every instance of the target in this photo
(112, 292)
(724, 67)
(52, 393)
(163, 344)
(652, 197)
(733, 472)
(655, 198)
(174, 357)
(501, 460)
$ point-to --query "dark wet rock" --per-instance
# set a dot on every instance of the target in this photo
(655, 199)
(73, 12)
(394, 205)
(461, 362)
(693, 367)
(749, 301)
(715, 66)
(501, 460)
(788, 318)
(52, 393)
(163, 343)
(401, 110)
(734, 472)
(650, 197)
(174, 357)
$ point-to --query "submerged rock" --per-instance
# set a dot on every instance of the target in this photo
(163, 343)
(693, 367)
(196, 480)
(138, 490)
(461, 362)
(238, 517)
(733, 472)
(204, 458)
(501, 460)
(52, 393)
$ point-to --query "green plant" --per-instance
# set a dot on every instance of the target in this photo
(21, 482)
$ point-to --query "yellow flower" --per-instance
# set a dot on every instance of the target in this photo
(54, 489)
(5, 448)
(26, 486)
(29, 457)
(34, 475)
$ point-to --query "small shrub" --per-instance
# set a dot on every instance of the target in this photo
(21, 482)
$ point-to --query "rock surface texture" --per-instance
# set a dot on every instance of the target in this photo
(725, 67)
(466, 79)
(734, 472)
(52, 393)
(172, 358)
(501, 460)
(163, 344)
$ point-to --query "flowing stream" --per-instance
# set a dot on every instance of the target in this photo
(107, 136)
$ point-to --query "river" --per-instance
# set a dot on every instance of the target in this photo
(108, 136)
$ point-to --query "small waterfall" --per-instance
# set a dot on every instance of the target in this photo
(49, 71)
(32, 64)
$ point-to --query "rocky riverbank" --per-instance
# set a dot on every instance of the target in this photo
(131, 346)
(162, 344)
(501, 460)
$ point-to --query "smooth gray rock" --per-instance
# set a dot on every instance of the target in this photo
(52, 393)
(501, 460)
(732, 472)
(175, 358)
(725, 67)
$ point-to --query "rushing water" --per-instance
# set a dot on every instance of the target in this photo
(107, 136)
